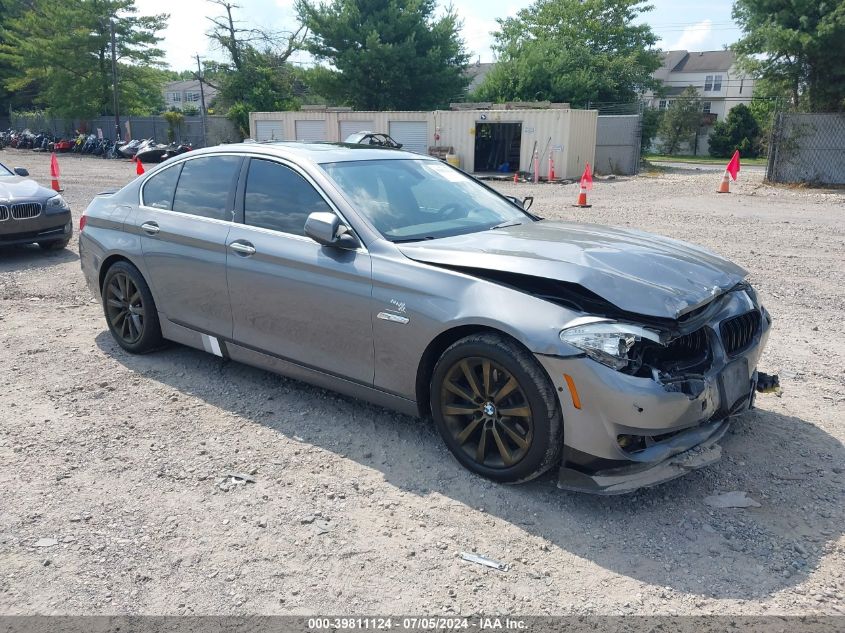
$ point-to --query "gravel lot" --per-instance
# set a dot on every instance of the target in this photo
(357, 510)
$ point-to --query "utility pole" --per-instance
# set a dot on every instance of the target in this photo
(202, 101)
(114, 82)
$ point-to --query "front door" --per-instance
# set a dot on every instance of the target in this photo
(291, 297)
(184, 222)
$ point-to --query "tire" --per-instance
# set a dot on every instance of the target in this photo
(56, 245)
(516, 447)
(134, 322)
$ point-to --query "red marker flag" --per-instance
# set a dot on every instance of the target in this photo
(54, 166)
(587, 178)
(139, 169)
(733, 166)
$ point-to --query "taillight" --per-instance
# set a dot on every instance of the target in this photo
(83, 220)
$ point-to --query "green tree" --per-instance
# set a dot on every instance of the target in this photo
(798, 46)
(681, 121)
(573, 51)
(386, 54)
(739, 131)
(257, 76)
(64, 49)
(650, 125)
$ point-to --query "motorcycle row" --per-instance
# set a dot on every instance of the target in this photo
(145, 150)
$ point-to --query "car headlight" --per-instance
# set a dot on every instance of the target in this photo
(57, 204)
(607, 342)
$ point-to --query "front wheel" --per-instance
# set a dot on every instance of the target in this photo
(496, 409)
(130, 310)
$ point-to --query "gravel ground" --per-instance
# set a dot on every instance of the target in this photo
(122, 460)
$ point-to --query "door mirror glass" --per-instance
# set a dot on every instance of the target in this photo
(20, 171)
(327, 229)
(527, 202)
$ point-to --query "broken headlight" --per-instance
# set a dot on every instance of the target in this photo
(607, 342)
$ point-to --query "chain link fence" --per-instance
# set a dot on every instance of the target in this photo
(807, 148)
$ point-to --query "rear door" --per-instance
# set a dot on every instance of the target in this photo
(184, 220)
(291, 297)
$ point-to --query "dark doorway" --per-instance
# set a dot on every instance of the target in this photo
(497, 146)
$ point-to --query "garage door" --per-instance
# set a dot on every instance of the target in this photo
(269, 131)
(412, 134)
(350, 127)
(311, 130)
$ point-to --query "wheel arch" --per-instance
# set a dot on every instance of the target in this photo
(434, 351)
(110, 261)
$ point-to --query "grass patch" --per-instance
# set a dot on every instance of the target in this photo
(702, 160)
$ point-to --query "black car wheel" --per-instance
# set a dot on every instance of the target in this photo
(130, 310)
(496, 409)
(55, 245)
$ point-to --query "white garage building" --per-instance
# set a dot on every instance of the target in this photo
(485, 141)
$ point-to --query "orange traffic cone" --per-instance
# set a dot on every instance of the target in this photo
(139, 166)
(725, 187)
(54, 172)
(582, 199)
(515, 177)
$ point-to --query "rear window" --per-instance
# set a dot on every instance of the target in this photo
(159, 189)
(205, 186)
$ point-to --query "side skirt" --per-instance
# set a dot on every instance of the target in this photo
(226, 349)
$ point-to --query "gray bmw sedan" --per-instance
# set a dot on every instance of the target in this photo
(617, 356)
(30, 213)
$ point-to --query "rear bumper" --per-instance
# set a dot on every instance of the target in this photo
(44, 228)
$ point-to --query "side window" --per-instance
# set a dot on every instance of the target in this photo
(204, 186)
(158, 190)
(708, 83)
(717, 83)
(278, 198)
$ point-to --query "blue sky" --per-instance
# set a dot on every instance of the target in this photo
(688, 24)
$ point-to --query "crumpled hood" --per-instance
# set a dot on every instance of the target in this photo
(636, 271)
(15, 188)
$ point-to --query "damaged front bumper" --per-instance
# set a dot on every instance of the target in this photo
(624, 432)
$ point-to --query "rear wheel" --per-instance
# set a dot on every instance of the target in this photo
(496, 409)
(130, 310)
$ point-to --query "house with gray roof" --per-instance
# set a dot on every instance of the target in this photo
(720, 83)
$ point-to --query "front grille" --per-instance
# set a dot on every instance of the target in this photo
(692, 344)
(26, 210)
(739, 332)
(4, 212)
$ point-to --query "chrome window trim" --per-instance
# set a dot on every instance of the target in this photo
(276, 159)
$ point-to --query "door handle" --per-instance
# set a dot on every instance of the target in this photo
(150, 227)
(244, 248)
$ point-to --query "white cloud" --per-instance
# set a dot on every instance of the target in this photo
(693, 36)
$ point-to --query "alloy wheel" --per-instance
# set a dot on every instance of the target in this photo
(125, 308)
(487, 412)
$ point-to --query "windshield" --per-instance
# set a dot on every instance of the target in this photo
(410, 200)
(5, 171)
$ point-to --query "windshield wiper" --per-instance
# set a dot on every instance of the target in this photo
(505, 224)
(412, 239)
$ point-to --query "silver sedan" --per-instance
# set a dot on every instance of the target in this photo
(618, 357)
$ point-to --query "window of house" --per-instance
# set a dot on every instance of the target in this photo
(706, 108)
(708, 83)
(175, 97)
(717, 83)
(662, 104)
(192, 96)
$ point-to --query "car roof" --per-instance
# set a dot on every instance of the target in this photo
(316, 152)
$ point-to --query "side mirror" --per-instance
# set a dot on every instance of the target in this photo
(20, 171)
(527, 202)
(327, 229)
